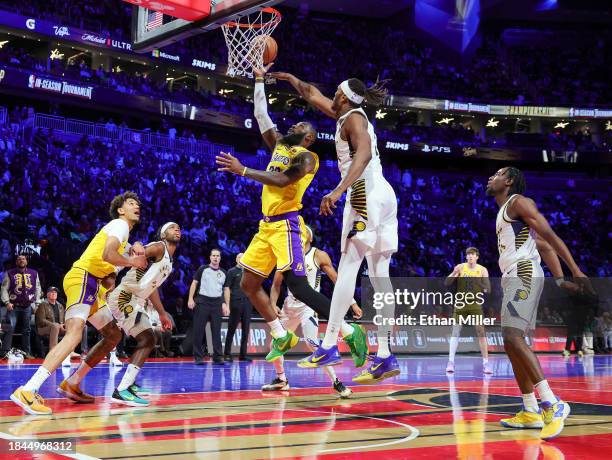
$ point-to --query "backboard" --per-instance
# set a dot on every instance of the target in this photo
(151, 30)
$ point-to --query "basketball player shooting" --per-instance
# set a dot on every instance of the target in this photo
(281, 238)
(369, 227)
(523, 234)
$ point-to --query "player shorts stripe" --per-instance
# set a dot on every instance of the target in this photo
(83, 288)
(251, 269)
(358, 198)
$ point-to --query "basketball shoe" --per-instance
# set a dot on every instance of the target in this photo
(554, 416)
(74, 393)
(379, 370)
(322, 357)
(358, 345)
(524, 419)
(30, 401)
(281, 346)
(276, 385)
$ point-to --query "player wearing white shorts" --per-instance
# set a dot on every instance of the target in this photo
(369, 227)
(296, 313)
(523, 234)
(127, 303)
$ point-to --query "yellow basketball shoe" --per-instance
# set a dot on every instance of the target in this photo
(524, 419)
(554, 416)
(31, 402)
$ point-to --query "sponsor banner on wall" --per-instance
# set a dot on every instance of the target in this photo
(429, 339)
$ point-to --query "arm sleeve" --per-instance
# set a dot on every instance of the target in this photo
(119, 229)
(4, 290)
(261, 109)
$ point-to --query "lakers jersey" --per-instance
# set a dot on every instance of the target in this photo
(465, 281)
(279, 200)
(515, 240)
(91, 260)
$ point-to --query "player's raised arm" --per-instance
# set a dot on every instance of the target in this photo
(112, 256)
(356, 131)
(302, 164)
(525, 209)
(266, 125)
(310, 93)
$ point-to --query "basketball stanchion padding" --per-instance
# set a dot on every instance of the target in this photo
(189, 10)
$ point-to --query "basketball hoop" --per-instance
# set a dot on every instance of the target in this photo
(245, 38)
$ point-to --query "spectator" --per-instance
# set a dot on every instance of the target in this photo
(209, 306)
(20, 293)
(240, 311)
(50, 318)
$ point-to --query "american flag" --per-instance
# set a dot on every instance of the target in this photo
(154, 19)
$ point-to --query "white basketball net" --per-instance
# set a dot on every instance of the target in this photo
(246, 38)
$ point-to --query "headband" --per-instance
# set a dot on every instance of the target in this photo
(165, 227)
(350, 94)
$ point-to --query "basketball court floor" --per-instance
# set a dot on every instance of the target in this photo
(212, 412)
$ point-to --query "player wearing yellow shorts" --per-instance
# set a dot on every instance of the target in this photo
(280, 241)
(84, 285)
(473, 278)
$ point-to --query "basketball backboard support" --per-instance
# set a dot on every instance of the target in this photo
(151, 30)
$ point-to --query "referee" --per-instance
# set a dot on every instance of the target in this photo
(207, 287)
(240, 311)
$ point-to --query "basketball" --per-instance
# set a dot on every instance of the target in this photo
(270, 50)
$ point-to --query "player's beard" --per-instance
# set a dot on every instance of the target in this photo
(293, 139)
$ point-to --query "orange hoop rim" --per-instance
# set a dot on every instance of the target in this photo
(276, 18)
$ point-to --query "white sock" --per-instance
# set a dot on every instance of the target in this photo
(276, 329)
(129, 377)
(346, 329)
(331, 372)
(113, 352)
(37, 380)
(350, 262)
(546, 394)
(383, 347)
(454, 342)
(485, 361)
(280, 368)
(79, 374)
(530, 402)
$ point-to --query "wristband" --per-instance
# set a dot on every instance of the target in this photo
(244, 171)
(559, 281)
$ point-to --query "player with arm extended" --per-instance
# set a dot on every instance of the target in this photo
(280, 240)
(369, 227)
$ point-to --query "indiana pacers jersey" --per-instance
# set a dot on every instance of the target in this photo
(515, 241)
(466, 281)
(91, 260)
(142, 282)
(279, 200)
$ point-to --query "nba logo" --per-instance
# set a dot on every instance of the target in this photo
(419, 338)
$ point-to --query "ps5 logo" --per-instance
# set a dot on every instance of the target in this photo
(31, 23)
(61, 31)
(436, 148)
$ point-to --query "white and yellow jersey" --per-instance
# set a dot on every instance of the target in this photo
(91, 260)
(515, 240)
(141, 282)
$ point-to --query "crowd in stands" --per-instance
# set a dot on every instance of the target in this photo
(314, 47)
(60, 198)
